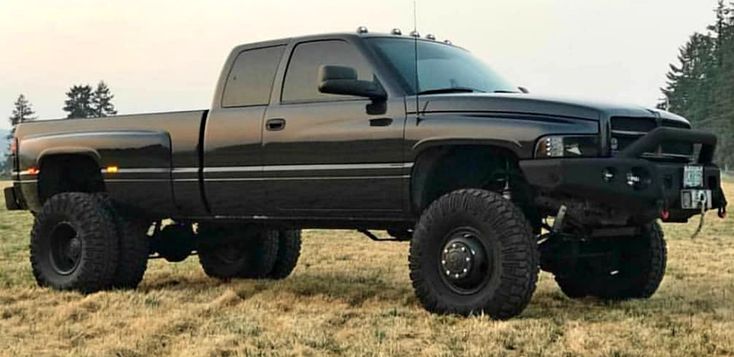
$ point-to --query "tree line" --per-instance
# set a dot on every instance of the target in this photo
(701, 86)
(82, 101)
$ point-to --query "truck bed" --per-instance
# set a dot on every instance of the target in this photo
(159, 149)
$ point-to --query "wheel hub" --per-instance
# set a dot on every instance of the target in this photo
(74, 249)
(457, 259)
(465, 264)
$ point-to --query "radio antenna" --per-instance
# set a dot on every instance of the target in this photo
(415, 35)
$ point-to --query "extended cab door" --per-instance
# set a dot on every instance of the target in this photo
(233, 182)
(333, 155)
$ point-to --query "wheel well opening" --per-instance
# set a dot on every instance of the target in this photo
(444, 169)
(68, 173)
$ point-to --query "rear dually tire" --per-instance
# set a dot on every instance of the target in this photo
(74, 244)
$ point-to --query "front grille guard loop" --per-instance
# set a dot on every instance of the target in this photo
(653, 139)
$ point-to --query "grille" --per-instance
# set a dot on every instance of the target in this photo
(626, 131)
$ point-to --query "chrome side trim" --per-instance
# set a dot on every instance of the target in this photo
(185, 170)
(140, 171)
(138, 180)
(271, 168)
(338, 167)
(301, 178)
(234, 169)
(309, 167)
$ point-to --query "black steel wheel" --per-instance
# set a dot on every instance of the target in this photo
(66, 248)
(467, 262)
(74, 244)
(473, 252)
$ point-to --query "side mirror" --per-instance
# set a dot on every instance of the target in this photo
(343, 80)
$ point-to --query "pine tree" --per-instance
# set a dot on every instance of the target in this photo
(722, 114)
(22, 111)
(689, 88)
(78, 104)
(701, 86)
(101, 105)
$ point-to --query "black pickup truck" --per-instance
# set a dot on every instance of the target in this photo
(366, 131)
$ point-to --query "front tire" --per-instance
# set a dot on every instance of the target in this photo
(473, 252)
(637, 273)
(641, 270)
(74, 244)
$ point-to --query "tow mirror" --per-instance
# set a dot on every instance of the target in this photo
(343, 80)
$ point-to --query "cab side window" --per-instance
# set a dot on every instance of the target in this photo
(301, 82)
(250, 80)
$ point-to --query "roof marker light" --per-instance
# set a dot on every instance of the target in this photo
(362, 29)
(396, 31)
(431, 37)
(415, 33)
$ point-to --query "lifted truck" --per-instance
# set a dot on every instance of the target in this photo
(352, 131)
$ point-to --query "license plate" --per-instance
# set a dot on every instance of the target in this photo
(692, 176)
(694, 199)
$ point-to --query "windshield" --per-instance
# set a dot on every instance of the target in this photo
(441, 68)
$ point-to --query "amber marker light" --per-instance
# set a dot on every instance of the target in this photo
(32, 171)
(112, 169)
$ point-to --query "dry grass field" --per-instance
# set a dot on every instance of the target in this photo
(352, 296)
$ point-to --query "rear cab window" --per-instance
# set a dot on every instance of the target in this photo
(251, 77)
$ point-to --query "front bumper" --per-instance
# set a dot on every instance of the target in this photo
(587, 179)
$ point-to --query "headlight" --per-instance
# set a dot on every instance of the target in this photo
(567, 146)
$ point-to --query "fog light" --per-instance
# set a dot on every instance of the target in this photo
(608, 174)
(638, 178)
(633, 179)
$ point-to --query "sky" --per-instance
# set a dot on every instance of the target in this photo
(161, 55)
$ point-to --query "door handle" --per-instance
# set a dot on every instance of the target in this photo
(275, 124)
(380, 122)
